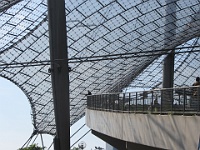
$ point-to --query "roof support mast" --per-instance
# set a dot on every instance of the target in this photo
(170, 32)
(168, 64)
(59, 72)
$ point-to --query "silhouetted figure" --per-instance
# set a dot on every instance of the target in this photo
(156, 105)
(195, 97)
(89, 93)
(150, 108)
(90, 103)
(196, 83)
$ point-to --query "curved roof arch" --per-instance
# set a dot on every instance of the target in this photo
(27, 96)
(112, 44)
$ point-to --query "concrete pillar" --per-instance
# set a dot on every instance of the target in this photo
(59, 72)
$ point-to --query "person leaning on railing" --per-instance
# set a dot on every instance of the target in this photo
(197, 83)
(90, 103)
(156, 105)
(194, 98)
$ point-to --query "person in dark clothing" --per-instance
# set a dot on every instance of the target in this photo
(90, 103)
(195, 96)
(89, 93)
(196, 83)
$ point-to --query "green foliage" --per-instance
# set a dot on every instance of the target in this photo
(32, 147)
(75, 148)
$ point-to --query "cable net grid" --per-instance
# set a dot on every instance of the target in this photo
(111, 45)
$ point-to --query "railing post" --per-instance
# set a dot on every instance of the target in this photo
(90, 101)
(113, 102)
(109, 102)
(184, 100)
(198, 99)
(118, 102)
(95, 102)
(129, 103)
(161, 102)
(103, 101)
(123, 101)
(179, 99)
(143, 102)
(151, 105)
(172, 102)
(100, 102)
(106, 101)
(136, 102)
(87, 102)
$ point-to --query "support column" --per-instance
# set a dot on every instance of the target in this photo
(59, 72)
(168, 71)
(170, 32)
(168, 64)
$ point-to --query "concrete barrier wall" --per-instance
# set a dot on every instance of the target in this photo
(163, 131)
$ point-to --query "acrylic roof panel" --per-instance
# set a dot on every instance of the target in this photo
(112, 44)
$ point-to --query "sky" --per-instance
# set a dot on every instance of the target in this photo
(16, 123)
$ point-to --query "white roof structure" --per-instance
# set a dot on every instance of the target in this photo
(112, 45)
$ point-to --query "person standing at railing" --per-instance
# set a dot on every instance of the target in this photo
(195, 99)
(156, 105)
(196, 83)
(89, 93)
(89, 102)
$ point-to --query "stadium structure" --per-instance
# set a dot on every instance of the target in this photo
(111, 46)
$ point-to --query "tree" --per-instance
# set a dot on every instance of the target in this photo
(32, 147)
(75, 148)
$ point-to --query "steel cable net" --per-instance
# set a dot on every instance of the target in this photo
(112, 44)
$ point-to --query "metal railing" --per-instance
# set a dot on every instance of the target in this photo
(181, 100)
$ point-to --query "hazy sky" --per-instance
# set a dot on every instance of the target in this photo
(16, 124)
